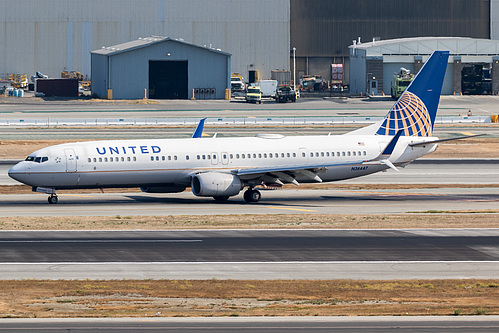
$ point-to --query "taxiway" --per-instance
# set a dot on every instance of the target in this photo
(250, 254)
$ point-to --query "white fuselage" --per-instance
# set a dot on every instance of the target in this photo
(173, 162)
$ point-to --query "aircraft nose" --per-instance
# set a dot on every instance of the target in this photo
(18, 172)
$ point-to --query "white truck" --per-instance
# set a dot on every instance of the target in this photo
(268, 87)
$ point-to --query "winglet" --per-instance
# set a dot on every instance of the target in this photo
(199, 129)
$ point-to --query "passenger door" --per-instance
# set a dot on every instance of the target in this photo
(70, 160)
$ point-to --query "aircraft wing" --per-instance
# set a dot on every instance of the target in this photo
(289, 173)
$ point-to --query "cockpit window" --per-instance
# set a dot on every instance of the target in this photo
(37, 159)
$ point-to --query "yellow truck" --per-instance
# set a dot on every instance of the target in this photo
(254, 95)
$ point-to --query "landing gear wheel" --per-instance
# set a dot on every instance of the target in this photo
(53, 199)
(252, 196)
(221, 199)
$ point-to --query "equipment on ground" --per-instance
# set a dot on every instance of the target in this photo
(254, 95)
(285, 94)
(236, 82)
(401, 81)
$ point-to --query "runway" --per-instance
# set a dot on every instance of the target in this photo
(250, 254)
(477, 324)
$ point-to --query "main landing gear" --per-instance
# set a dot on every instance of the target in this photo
(252, 195)
(53, 199)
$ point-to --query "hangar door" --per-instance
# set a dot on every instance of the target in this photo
(167, 79)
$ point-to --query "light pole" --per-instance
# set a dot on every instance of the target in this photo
(294, 68)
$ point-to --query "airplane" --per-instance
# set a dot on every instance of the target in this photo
(222, 167)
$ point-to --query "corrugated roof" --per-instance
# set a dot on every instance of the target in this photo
(147, 41)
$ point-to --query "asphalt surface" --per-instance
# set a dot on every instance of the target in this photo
(273, 202)
(32, 108)
(248, 246)
(256, 324)
(250, 254)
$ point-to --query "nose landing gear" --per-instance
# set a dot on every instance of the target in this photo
(252, 195)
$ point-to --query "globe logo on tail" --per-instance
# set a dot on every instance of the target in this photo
(408, 114)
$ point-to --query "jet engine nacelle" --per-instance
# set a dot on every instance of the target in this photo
(215, 184)
(162, 189)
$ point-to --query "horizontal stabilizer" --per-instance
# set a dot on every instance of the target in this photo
(444, 140)
(390, 164)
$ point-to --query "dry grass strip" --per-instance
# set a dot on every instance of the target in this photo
(431, 219)
(138, 298)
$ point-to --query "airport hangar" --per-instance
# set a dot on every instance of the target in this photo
(373, 64)
(59, 35)
(160, 68)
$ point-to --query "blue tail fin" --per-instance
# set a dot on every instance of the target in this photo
(415, 110)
